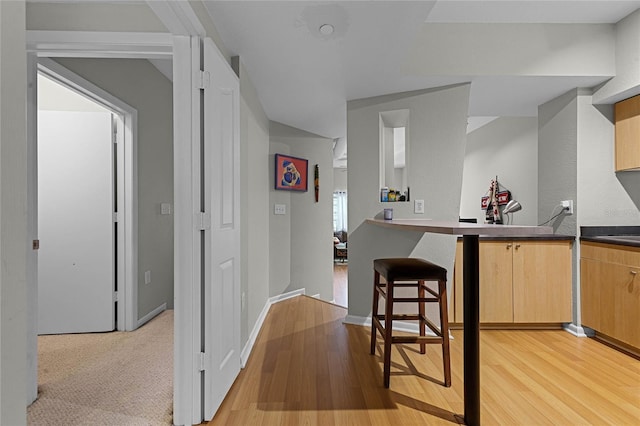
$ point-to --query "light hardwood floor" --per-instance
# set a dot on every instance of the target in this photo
(309, 368)
(340, 281)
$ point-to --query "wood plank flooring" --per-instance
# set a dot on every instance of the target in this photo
(308, 368)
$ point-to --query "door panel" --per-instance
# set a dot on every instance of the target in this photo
(222, 240)
(75, 222)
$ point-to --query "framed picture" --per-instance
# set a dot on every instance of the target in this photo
(291, 173)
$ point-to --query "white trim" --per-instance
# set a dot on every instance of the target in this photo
(32, 230)
(356, 320)
(248, 347)
(177, 16)
(151, 315)
(127, 185)
(578, 331)
(95, 44)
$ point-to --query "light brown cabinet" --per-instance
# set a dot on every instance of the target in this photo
(627, 124)
(521, 282)
(610, 291)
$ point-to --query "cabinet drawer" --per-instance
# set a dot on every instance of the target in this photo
(611, 253)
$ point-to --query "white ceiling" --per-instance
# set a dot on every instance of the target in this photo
(304, 79)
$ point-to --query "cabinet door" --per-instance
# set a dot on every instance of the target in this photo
(496, 292)
(627, 125)
(619, 302)
(542, 281)
(591, 275)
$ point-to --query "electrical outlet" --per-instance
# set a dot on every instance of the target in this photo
(165, 208)
(147, 277)
(279, 209)
(567, 205)
(418, 206)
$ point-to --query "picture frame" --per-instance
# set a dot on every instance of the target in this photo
(291, 173)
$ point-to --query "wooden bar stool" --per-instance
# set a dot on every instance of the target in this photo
(409, 272)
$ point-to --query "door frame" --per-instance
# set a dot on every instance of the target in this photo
(187, 387)
(126, 186)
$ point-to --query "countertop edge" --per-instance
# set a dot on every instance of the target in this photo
(540, 237)
(608, 239)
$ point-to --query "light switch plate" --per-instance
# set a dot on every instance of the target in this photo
(279, 209)
(418, 206)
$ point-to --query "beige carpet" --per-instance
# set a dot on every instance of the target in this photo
(119, 378)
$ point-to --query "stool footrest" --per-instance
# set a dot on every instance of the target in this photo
(416, 339)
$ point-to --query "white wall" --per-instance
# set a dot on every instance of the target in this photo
(141, 85)
(508, 148)
(340, 179)
(301, 248)
(626, 82)
(529, 50)
(435, 146)
(13, 214)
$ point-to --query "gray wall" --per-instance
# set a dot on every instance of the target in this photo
(254, 207)
(301, 248)
(435, 145)
(508, 148)
(557, 160)
(340, 179)
(558, 172)
(141, 85)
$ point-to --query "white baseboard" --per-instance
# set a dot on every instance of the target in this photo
(248, 347)
(578, 331)
(157, 311)
(407, 327)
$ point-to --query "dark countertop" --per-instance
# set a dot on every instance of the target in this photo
(620, 235)
(546, 237)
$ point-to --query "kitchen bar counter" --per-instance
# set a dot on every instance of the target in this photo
(470, 243)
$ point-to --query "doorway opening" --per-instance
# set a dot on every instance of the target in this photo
(340, 248)
(113, 250)
(120, 197)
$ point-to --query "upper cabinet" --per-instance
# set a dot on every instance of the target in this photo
(627, 121)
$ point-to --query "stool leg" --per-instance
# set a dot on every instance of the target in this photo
(421, 314)
(374, 310)
(444, 329)
(388, 326)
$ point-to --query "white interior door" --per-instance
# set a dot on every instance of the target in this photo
(222, 240)
(75, 222)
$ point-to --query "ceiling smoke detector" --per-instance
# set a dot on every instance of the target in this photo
(326, 29)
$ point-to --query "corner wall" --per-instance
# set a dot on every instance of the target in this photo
(508, 148)
(301, 249)
(435, 146)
